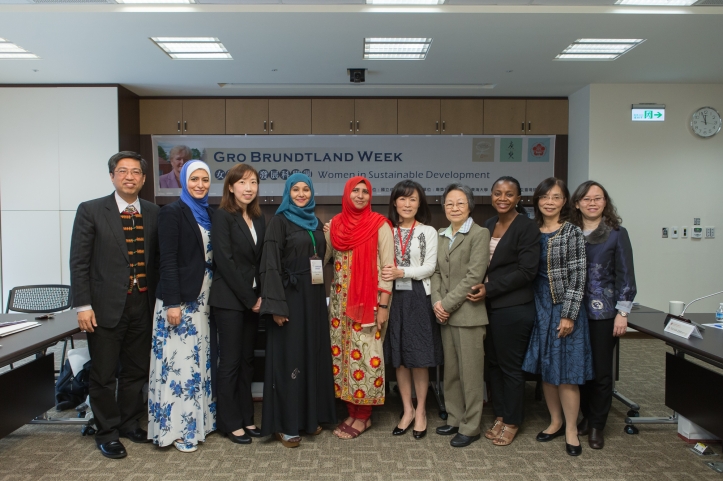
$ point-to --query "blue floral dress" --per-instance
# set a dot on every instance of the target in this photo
(567, 360)
(180, 405)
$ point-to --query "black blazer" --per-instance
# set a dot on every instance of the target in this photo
(514, 263)
(99, 263)
(183, 255)
(237, 259)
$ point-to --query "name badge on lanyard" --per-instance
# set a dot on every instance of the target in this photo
(316, 265)
(404, 283)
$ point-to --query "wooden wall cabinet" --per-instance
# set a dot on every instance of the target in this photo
(289, 116)
(547, 117)
(183, 116)
(161, 116)
(247, 116)
(332, 116)
(462, 116)
(529, 117)
(418, 117)
(504, 116)
(375, 116)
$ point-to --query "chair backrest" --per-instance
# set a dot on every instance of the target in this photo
(40, 299)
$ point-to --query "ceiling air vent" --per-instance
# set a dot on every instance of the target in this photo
(709, 3)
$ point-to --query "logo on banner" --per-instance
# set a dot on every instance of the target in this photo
(220, 174)
(483, 150)
(511, 150)
(539, 150)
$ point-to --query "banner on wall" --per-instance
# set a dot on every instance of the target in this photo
(432, 161)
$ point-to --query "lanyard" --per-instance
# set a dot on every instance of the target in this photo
(313, 241)
(403, 247)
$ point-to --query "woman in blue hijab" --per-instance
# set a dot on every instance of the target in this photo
(181, 410)
(299, 383)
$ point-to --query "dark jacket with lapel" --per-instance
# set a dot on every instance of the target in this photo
(99, 263)
(183, 255)
(237, 260)
(514, 263)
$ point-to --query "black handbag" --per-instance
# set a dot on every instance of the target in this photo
(70, 390)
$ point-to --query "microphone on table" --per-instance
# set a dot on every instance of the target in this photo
(681, 318)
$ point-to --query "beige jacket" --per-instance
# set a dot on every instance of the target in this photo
(458, 269)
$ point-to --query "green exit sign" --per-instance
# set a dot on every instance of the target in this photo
(648, 113)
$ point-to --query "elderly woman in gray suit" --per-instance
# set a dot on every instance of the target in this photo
(462, 258)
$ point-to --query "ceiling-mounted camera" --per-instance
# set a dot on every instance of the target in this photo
(356, 75)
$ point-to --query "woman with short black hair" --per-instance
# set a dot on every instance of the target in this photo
(413, 343)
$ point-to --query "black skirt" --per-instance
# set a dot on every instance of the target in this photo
(413, 338)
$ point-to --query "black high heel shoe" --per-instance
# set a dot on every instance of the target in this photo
(544, 437)
(419, 434)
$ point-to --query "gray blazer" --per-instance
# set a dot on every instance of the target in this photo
(458, 269)
(99, 269)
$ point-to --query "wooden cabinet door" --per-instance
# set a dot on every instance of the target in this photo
(547, 117)
(375, 116)
(204, 116)
(332, 116)
(247, 116)
(462, 116)
(418, 116)
(160, 116)
(289, 116)
(504, 116)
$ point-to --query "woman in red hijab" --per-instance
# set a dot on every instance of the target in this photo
(361, 242)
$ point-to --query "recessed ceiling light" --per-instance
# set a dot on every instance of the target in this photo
(154, 1)
(405, 2)
(665, 3)
(383, 48)
(9, 50)
(598, 48)
(193, 48)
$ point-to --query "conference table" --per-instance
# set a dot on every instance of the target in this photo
(691, 389)
(28, 390)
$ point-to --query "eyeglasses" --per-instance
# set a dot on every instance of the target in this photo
(124, 172)
(555, 198)
(596, 200)
(458, 205)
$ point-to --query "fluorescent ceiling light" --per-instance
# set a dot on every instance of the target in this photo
(669, 3)
(405, 2)
(385, 48)
(135, 2)
(193, 48)
(598, 49)
(9, 50)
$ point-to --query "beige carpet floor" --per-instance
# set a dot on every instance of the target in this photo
(40, 452)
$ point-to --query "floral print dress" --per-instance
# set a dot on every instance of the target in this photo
(357, 351)
(180, 405)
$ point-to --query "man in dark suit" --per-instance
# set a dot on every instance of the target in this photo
(114, 273)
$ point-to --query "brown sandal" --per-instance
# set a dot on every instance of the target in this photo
(507, 435)
(317, 432)
(495, 430)
(352, 431)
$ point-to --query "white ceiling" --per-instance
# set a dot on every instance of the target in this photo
(312, 44)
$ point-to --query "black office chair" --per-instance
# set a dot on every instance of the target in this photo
(41, 299)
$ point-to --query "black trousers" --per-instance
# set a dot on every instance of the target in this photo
(127, 345)
(508, 335)
(236, 337)
(596, 395)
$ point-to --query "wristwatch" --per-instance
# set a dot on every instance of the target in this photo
(383, 306)
(622, 313)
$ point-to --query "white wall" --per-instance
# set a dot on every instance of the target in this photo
(660, 175)
(54, 148)
(578, 157)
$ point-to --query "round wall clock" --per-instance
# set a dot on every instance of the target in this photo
(706, 122)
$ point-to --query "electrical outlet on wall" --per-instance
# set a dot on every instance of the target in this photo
(710, 232)
(696, 220)
(684, 232)
(665, 232)
(673, 232)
